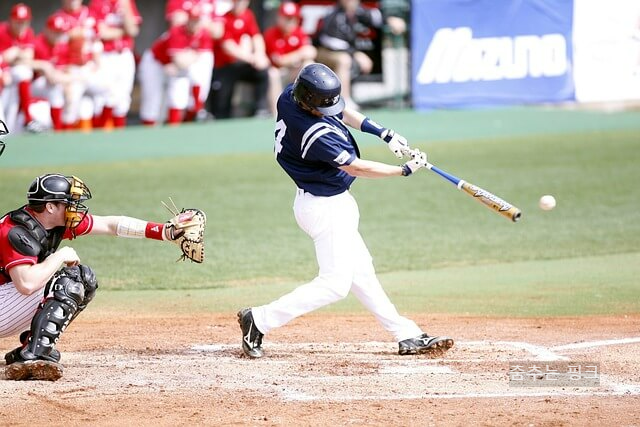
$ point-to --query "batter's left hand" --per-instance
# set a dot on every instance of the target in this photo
(396, 143)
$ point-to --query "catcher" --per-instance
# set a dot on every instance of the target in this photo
(43, 286)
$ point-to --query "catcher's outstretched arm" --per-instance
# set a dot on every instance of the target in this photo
(125, 226)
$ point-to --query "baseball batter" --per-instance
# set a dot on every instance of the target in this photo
(38, 299)
(315, 148)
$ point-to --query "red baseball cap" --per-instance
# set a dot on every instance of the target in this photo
(21, 12)
(289, 9)
(193, 9)
(58, 23)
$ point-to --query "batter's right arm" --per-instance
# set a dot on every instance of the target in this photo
(370, 169)
(361, 168)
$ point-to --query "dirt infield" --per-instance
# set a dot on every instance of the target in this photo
(328, 370)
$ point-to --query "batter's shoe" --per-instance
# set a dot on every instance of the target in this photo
(424, 344)
(40, 370)
(251, 336)
(15, 356)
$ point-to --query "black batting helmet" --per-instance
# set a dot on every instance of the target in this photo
(317, 87)
(54, 187)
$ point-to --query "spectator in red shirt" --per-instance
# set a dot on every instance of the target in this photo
(90, 82)
(51, 58)
(83, 44)
(16, 49)
(164, 70)
(240, 56)
(289, 48)
(177, 14)
(118, 23)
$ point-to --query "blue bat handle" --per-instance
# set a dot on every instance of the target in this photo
(453, 179)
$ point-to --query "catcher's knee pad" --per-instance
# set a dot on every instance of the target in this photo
(53, 317)
(85, 275)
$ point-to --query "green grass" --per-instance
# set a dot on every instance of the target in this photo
(435, 249)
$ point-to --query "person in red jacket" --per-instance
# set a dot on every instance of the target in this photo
(177, 13)
(289, 49)
(51, 59)
(240, 56)
(17, 42)
(118, 23)
(166, 67)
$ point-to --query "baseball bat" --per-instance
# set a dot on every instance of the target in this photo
(488, 199)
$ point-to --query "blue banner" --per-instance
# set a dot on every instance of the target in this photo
(491, 52)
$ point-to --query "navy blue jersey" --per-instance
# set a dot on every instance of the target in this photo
(311, 149)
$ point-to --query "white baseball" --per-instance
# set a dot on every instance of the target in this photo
(547, 202)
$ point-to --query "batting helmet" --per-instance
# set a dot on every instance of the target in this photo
(60, 188)
(318, 88)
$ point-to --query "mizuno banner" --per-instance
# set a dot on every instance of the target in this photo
(488, 52)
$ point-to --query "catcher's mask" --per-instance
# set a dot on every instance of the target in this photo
(317, 88)
(57, 188)
(3, 131)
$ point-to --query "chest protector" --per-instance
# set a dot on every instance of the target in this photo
(30, 238)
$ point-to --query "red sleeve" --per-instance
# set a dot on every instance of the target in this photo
(252, 24)
(5, 40)
(29, 39)
(136, 12)
(176, 40)
(40, 51)
(270, 41)
(83, 228)
(304, 37)
(9, 257)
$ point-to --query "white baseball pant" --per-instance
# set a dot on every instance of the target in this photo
(16, 309)
(200, 75)
(345, 265)
(120, 67)
(157, 88)
(54, 93)
(89, 83)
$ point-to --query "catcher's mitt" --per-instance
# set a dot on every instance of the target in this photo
(186, 229)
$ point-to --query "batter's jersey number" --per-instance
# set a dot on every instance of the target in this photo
(281, 129)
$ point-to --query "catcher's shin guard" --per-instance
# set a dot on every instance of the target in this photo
(53, 318)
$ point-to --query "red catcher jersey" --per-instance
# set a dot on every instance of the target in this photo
(9, 257)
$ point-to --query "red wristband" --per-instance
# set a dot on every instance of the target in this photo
(154, 231)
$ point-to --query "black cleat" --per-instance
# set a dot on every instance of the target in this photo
(14, 356)
(251, 336)
(424, 344)
(41, 370)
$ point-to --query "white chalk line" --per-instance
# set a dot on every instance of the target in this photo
(540, 353)
(591, 344)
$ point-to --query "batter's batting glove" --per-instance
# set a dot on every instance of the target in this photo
(418, 161)
(396, 142)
